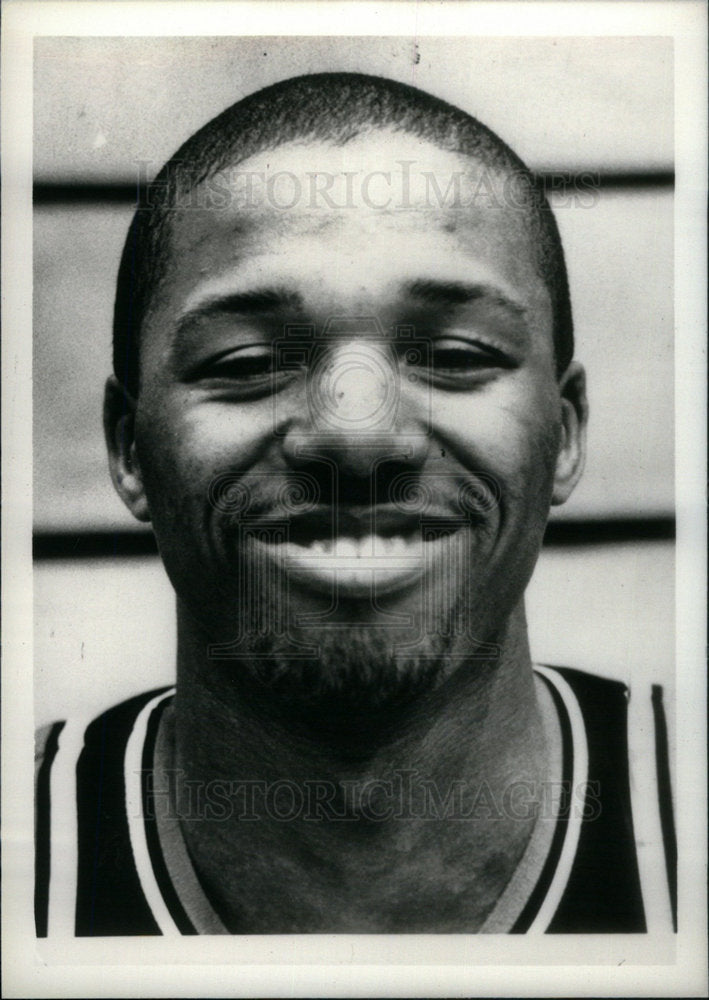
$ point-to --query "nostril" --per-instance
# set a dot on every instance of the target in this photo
(341, 485)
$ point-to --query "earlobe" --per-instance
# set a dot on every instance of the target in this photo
(571, 456)
(119, 430)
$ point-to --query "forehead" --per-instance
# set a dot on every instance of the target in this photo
(353, 220)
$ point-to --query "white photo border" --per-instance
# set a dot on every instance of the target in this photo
(362, 965)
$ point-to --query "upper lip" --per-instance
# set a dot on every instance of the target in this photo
(327, 521)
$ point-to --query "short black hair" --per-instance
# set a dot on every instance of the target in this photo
(332, 107)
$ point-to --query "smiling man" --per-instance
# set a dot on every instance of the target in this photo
(344, 398)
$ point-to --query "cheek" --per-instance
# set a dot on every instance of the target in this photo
(511, 433)
(185, 446)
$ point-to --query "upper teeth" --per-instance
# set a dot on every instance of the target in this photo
(368, 546)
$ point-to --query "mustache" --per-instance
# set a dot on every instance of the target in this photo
(392, 503)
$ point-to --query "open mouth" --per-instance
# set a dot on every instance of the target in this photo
(356, 560)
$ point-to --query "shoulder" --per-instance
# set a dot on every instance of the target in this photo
(620, 732)
(597, 693)
(627, 718)
(41, 739)
(585, 681)
(127, 708)
(86, 766)
(621, 721)
(78, 733)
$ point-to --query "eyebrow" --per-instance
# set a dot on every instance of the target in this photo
(272, 299)
(459, 293)
(256, 302)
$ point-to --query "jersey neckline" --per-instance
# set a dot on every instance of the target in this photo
(177, 899)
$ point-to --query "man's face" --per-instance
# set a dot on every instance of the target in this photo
(349, 423)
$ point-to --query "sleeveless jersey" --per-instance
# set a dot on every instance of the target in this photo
(102, 868)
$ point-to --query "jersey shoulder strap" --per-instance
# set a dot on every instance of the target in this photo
(86, 882)
(623, 875)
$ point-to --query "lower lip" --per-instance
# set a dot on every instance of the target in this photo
(366, 567)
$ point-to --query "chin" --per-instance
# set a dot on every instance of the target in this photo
(356, 671)
(366, 664)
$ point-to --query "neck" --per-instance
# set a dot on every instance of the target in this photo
(317, 831)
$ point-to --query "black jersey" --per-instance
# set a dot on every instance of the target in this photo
(103, 867)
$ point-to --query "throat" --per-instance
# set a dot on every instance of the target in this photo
(420, 833)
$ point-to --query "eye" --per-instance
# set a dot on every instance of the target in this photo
(253, 369)
(459, 359)
(255, 361)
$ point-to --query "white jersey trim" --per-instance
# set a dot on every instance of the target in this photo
(579, 778)
(64, 832)
(136, 819)
(647, 827)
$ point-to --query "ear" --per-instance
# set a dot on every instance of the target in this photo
(119, 429)
(571, 456)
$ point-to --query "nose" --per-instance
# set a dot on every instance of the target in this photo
(357, 413)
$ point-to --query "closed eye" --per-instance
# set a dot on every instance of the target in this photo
(247, 363)
(253, 368)
(461, 359)
(452, 361)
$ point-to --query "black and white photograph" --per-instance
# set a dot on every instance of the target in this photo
(364, 616)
